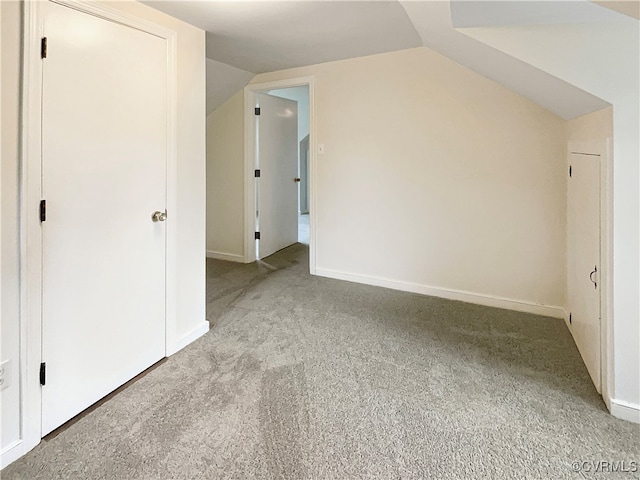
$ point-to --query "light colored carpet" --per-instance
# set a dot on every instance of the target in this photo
(310, 378)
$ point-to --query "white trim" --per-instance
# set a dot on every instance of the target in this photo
(30, 238)
(11, 453)
(231, 257)
(250, 92)
(30, 194)
(625, 410)
(249, 180)
(107, 13)
(450, 294)
(171, 233)
(606, 261)
(192, 336)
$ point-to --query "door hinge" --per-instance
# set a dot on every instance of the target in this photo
(43, 373)
(43, 47)
(570, 318)
(257, 236)
(257, 110)
(256, 173)
(43, 210)
(570, 170)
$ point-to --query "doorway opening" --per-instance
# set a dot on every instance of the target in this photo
(279, 163)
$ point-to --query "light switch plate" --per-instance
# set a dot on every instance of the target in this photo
(321, 149)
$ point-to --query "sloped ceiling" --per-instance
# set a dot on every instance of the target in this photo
(491, 13)
(433, 22)
(265, 36)
(630, 8)
(223, 81)
(246, 37)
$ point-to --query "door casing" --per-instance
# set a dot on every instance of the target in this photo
(31, 191)
(250, 153)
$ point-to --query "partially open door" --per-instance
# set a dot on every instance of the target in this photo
(278, 181)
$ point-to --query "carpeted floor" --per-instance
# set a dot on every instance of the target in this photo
(310, 378)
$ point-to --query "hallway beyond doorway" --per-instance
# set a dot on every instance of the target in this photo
(303, 229)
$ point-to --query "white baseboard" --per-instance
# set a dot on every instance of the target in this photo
(479, 299)
(230, 257)
(190, 337)
(11, 453)
(625, 411)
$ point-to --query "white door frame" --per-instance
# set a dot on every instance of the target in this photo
(250, 153)
(30, 196)
(603, 149)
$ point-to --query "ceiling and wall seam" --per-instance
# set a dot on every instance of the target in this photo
(257, 37)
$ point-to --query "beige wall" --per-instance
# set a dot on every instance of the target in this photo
(604, 60)
(190, 214)
(10, 52)
(435, 176)
(594, 127)
(225, 187)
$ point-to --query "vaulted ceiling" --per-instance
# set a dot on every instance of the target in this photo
(265, 36)
(249, 37)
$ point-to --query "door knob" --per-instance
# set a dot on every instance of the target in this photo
(159, 216)
(297, 179)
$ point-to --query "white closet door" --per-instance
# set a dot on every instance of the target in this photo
(583, 256)
(104, 174)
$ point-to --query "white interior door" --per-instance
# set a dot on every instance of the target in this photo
(583, 256)
(103, 175)
(278, 164)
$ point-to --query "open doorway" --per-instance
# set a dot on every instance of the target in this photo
(279, 165)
